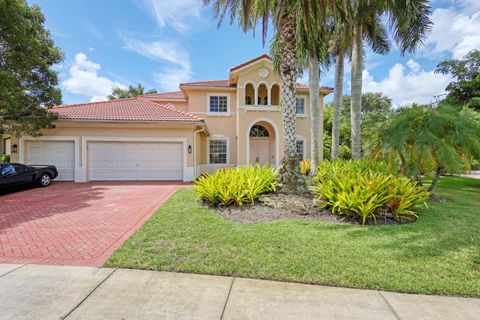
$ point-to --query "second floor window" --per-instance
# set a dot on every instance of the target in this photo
(300, 106)
(218, 104)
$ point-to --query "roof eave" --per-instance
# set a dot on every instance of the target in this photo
(193, 122)
(207, 87)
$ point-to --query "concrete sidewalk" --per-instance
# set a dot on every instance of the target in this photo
(472, 174)
(62, 292)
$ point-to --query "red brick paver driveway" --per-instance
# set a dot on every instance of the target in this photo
(75, 224)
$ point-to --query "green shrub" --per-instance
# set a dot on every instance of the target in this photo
(236, 186)
(366, 191)
(4, 158)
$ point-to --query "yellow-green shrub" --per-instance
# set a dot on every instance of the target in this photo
(236, 186)
(365, 190)
(305, 166)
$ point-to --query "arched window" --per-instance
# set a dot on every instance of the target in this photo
(249, 94)
(259, 131)
(262, 94)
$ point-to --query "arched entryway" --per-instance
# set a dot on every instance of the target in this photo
(262, 144)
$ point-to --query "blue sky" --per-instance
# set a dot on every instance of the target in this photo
(160, 43)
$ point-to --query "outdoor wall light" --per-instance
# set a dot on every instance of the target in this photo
(14, 148)
(189, 149)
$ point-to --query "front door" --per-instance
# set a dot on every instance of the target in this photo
(259, 151)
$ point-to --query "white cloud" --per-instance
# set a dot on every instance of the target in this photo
(168, 51)
(84, 79)
(169, 78)
(406, 87)
(181, 15)
(469, 6)
(455, 30)
(179, 68)
(413, 65)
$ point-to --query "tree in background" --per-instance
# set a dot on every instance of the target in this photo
(464, 90)
(376, 109)
(130, 92)
(28, 79)
(431, 141)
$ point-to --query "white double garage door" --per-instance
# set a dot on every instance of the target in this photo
(112, 160)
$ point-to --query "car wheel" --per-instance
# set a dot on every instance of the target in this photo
(45, 180)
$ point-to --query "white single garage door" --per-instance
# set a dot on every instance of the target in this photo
(61, 154)
(135, 161)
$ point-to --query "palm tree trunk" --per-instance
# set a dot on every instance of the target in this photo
(289, 172)
(316, 123)
(356, 90)
(436, 178)
(337, 103)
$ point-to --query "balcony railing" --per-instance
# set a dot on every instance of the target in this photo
(258, 107)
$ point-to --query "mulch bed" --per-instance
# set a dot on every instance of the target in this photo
(275, 207)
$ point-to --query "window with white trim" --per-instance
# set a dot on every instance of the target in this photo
(300, 107)
(300, 147)
(218, 151)
(218, 104)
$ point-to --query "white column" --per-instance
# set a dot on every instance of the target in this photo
(269, 93)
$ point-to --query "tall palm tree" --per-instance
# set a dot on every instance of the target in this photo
(289, 16)
(130, 92)
(340, 44)
(316, 112)
(313, 54)
(409, 21)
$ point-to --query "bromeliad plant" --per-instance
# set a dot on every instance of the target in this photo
(236, 186)
(305, 166)
(365, 191)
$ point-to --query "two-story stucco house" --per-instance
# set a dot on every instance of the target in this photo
(173, 135)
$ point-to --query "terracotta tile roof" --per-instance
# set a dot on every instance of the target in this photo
(250, 61)
(305, 86)
(225, 84)
(132, 109)
(174, 95)
(210, 83)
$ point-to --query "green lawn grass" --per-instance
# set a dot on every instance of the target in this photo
(440, 253)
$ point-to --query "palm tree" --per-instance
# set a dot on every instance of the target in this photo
(341, 43)
(431, 141)
(313, 53)
(316, 112)
(410, 22)
(289, 16)
(130, 92)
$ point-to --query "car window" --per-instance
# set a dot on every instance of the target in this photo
(19, 168)
(8, 169)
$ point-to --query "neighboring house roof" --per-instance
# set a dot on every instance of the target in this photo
(266, 56)
(174, 95)
(132, 109)
(208, 84)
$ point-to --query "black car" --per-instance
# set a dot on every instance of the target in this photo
(14, 174)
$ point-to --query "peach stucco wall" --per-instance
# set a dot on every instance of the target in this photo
(116, 130)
